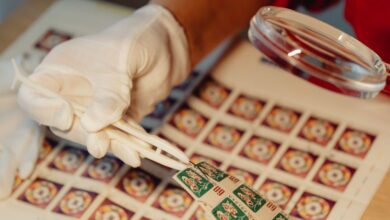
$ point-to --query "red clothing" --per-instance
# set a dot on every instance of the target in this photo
(371, 22)
(312, 5)
(369, 19)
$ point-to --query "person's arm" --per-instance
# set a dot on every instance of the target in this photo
(207, 23)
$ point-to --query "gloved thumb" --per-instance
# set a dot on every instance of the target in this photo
(106, 108)
(46, 110)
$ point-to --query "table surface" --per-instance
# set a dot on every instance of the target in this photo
(23, 16)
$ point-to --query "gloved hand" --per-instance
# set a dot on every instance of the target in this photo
(20, 137)
(124, 70)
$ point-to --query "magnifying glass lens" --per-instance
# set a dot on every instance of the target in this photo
(317, 52)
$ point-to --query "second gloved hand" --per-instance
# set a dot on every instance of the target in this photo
(123, 70)
(20, 137)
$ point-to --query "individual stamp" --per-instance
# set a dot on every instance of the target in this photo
(103, 169)
(51, 39)
(212, 93)
(248, 177)
(223, 137)
(296, 162)
(173, 200)
(197, 158)
(69, 159)
(196, 183)
(162, 108)
(211, 171)
(109, 210)
(188, 121)
(246, 107)
(138, 184)
(355, 142)
(228, 210)
(334, 175)
(277, 192)
(40, 192)
(249, 197)
(75, 202)
(311, 206)
(260, 149)
(282, 119)
(318, 130)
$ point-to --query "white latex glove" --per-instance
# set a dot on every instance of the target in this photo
(20, 137)
(125, 69)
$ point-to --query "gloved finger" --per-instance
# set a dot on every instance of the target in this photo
(108, 104)
(98, 144)
(46, 110)
(31, 152)
(125, 152)
(75, 133)
(7, 171)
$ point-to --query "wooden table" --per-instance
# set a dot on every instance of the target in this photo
(19, 20)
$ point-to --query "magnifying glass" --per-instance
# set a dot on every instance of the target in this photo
(318, 52)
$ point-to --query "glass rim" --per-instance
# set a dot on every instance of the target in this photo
(311, 48)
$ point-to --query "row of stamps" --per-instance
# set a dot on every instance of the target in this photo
(41, 192)
(225, 137)
(139, 184)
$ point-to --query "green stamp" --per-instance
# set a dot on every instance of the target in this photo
(195, 182)
(211, 171)
(280, 216)
(249, 197)
(227, 210)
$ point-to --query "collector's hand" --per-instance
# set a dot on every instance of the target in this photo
(123, 70)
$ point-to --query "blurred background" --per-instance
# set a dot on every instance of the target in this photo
(333, 15)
